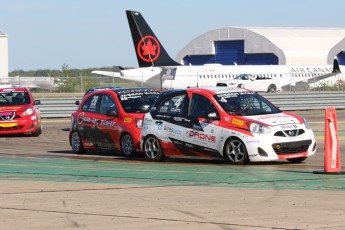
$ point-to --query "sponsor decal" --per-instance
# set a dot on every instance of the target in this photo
(288, 126)
(127, 120)
(81, 119)
(148, 49)
(94, 102)
(201, 136)
(9, 108)
(227, 119)
(108, 123)
(252, 141)
(172, 130)
(289, 156)
(264, 117)
(169, 150)
(88, 144)
(237, 122)
(3, 114)
(148, 120)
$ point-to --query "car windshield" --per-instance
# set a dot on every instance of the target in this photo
(244, 77)
(245, 104)
(8, 98)
(137, 100)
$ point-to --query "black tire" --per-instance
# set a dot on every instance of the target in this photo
(153, 149)
(272, 88)
(296, 160)
(37, 132)
(126, 145)
(235, 151)
(76, 144)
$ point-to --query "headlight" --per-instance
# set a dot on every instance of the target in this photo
(28, 112)
(259, 128)
(306, 123)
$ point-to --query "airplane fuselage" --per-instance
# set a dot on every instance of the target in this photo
(177, 77)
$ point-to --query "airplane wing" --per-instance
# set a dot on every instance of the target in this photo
(106, 73)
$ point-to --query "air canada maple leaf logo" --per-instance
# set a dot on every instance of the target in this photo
(148, 49)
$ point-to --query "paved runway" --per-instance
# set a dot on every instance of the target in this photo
(45, 186)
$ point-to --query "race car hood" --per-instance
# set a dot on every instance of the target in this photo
(14, 108)
(276, 119)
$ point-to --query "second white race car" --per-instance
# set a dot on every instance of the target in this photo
(253, 83)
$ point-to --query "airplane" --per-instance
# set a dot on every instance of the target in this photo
(158, 70)
(46, 83)
(5, 84)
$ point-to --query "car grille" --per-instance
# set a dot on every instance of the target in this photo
(289, 133)
(9, 117)
(291, 147)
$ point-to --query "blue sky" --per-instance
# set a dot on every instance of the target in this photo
(45, 34)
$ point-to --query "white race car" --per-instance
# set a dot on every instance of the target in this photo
(229, 122)
(253, 83)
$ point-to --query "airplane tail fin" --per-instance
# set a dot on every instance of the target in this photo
(336, 68)
(148, 49)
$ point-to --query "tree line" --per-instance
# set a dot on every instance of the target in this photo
(71, 80)
(65, 71)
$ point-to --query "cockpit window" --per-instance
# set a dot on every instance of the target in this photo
(245, 104)
(14, 98)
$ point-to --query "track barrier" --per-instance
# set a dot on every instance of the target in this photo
(332, 163)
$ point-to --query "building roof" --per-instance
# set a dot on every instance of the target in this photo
(292, 46)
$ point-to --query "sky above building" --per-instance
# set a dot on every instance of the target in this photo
(91, 34)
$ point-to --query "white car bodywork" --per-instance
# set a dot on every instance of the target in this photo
(253, 83)
(230, 122)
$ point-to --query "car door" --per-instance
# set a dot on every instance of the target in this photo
(86, 121)
(106, 124)
(202, 134)
(171, 118)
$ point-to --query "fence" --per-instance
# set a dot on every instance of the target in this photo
(63, 107)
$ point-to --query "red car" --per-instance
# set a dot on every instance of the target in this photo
(19, 113)
(111, 120)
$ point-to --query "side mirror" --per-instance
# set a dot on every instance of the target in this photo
(37, 102)
(77, 102)
(112, 113)
(213, 116)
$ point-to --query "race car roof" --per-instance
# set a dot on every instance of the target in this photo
(219, 90)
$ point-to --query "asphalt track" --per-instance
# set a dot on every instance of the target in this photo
(45, 186)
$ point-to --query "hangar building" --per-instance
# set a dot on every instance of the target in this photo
(3, 57)
(266, 46)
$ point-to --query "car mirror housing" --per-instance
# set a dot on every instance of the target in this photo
(37, 102)
(112, 113)
(77, 102)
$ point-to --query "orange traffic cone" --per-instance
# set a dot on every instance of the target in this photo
(331, 150)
